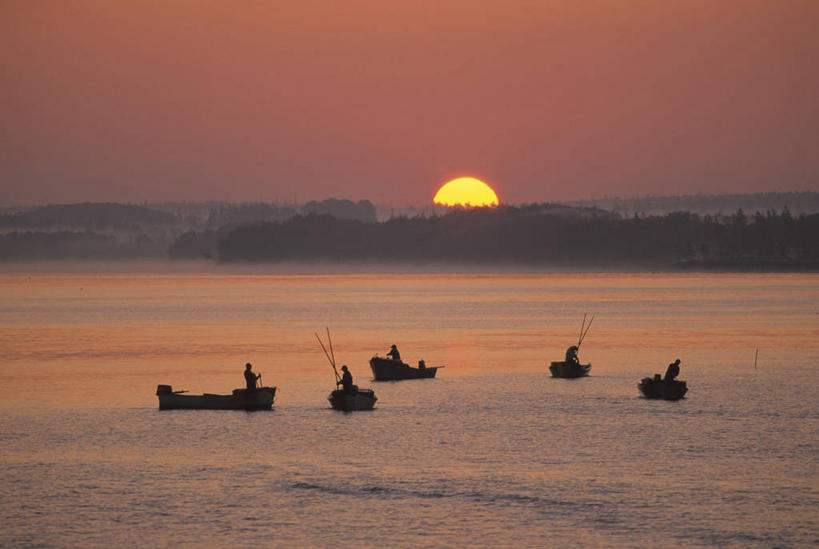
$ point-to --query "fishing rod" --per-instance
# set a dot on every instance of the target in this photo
(583, 334)
(330, 341)
(580, 339)
(330, 360)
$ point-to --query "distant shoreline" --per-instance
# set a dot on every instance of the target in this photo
(192, 266)
(532, 238)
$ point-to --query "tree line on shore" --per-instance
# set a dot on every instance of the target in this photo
(537, 234)
(528, 235)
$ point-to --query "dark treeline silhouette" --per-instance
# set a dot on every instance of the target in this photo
(537, 234)
(710, 204)
(197, 245)
(113, 217)
(363, 210)
(118, 231)
(532, 235)
(87, 231)
(89, 216)
(247, 212)
(225, 214)
(31, 245)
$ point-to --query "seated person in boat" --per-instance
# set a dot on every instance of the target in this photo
(347, 381)
(394, 354)
(250, 377)
(422, 364)
(571, 355)
(673, 370)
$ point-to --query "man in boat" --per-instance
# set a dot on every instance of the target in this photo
(394, 354)
(250, 377)
(571, 355)
(347, 381)
(673, 370)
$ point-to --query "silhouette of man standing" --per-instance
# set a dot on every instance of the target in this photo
(250, 377)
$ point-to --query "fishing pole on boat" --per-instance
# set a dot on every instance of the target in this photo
(583, 334)
(330, 341)
(330, 360)
(580, 338)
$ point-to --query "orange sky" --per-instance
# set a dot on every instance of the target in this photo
(270, 100)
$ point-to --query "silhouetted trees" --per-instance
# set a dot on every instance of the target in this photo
(712, 204)
(247, 212)
(90, 216)
(531, 235)
(363, 210)
(534, 234)
(31, 245)
(195, 245)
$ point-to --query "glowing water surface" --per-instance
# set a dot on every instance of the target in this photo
(492, 452)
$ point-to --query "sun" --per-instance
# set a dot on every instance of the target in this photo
(466, 191)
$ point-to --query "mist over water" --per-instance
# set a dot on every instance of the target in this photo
(492, 452)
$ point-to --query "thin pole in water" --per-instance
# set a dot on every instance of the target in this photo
(756, 356)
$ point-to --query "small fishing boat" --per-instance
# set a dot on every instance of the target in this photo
(352, 398)
(388, 369)
(240, 399)
(362, 399)
(569, 369)
(659, 388)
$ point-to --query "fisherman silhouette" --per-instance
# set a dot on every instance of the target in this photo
(571, 355)
(250, 377)
(347, 381)
(394, 354)
(672, 371)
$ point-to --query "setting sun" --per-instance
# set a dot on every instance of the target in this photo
(466, 191)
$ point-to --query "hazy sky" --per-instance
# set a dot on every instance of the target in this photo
(106, 100)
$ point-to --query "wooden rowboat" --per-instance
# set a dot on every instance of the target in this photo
(659, 388)
(569, 369)
(361, 399)
(240, 399)
(387, 369)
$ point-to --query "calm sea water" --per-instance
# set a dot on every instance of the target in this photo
(494, 452)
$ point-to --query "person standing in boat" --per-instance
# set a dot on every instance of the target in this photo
(673, 370)
(571, 355)
(394, 354)
(347, 381)
(250, 377)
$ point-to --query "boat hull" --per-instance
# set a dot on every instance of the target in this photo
(241, 399)
(362, 399)
(387, 369)
(658, 389)
(569, 370)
